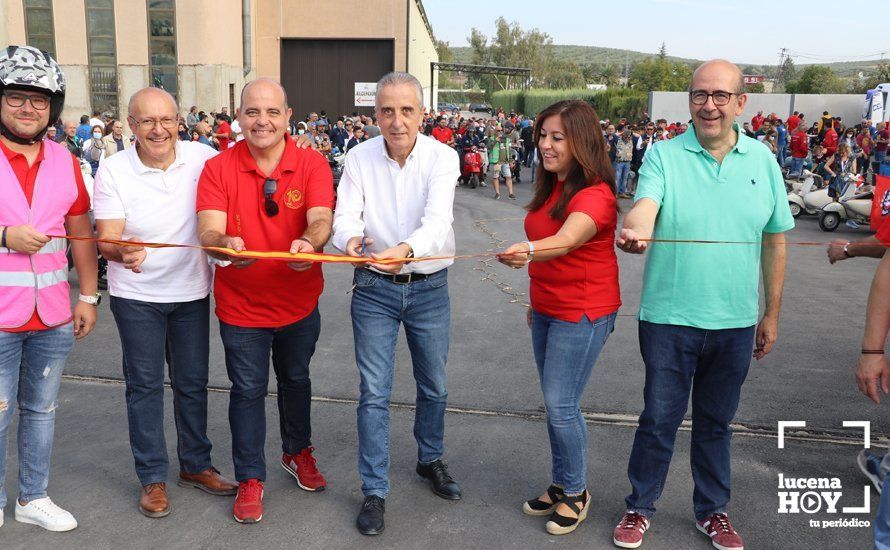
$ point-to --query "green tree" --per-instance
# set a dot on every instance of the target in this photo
(817, 79)
(786, 72)
(446, 55)
(660, 74)
(513, 46)
(756, 88)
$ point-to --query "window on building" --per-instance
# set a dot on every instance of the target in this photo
(162, 45)
(102, 56)
(39, 25)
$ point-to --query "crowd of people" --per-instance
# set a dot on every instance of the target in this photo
(699, 320)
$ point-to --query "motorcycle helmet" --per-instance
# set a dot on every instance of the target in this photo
(27, 68)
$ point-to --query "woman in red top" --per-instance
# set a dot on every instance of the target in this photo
(574, 290)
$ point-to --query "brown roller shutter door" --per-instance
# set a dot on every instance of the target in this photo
(321, 74)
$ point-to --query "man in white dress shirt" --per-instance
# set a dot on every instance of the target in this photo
(395, 201)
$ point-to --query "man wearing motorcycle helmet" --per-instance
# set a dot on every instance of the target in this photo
(45, 196)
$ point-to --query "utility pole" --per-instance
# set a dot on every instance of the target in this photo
(780, 72)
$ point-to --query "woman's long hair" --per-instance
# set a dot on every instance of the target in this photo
(587, 146)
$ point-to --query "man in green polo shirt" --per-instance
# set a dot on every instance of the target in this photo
(699, 307)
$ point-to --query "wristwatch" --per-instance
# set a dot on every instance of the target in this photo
(846, 251)
(93, 300)
(410, 250)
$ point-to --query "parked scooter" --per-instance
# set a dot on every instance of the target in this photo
(472, 168)
(854, 205)
(806, 196)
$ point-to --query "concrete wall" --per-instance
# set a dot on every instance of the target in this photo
(674, 106)
(209, 50)
(847, 106)
(421, 51)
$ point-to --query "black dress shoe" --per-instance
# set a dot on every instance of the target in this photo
(443, 484)
(370, 519)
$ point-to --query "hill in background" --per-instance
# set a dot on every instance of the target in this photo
(595, 55)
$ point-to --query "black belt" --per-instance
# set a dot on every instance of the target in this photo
(403, 278)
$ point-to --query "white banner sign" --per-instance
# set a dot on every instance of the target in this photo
(364, 94)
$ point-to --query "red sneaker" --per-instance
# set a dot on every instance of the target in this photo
(302, 467)
(249, 502)
(630, 530)
(723, 536)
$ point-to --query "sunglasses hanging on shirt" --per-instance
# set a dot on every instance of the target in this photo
(269, 188)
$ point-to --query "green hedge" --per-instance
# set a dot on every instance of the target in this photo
(612, 104)
(509, 99)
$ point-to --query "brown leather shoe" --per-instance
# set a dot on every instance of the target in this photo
(209, 481)
(153, 501)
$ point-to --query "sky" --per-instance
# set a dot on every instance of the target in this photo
(743, 31)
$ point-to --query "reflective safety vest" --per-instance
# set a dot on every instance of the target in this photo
(39, 280)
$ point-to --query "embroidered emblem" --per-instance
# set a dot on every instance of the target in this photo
(293, 199)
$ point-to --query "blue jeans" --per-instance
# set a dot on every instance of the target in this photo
(622, 170)
(881, 527)
(247, 364)
(178, 334)
(712, 364)
(797, 165)
(565, 353)
(378, 307)
(31, 365)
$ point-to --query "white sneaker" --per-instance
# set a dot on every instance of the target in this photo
(1, 517)
(44, 513)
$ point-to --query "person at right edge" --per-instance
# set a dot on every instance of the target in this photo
(699, 306)
(873, 372)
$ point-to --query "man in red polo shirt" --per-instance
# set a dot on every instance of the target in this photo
(443, 133)
(267, 194)
(223, 132)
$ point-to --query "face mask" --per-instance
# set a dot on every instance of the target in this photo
(301, 132)
(97, 135)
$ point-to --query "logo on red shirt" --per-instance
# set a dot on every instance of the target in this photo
(293, 199)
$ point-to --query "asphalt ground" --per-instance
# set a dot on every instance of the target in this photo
(496, 437)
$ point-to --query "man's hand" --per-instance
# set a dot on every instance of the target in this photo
(766, 336)
(304, 141)
(873, 372)
(630, 242)
(296, 247)
(25, 239)
(836, 250)
(237, 244)
(84, 319)
(398, 252)
(133, 256)
(516, 256)
(354, 246)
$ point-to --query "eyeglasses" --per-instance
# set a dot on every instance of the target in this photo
(700, 97)
(149, 123)
(269, 188)
(39, 102)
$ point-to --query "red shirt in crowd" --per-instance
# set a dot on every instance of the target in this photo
(444, 135)
(800, 145)
(884, 135)
(266, 293)
(584, 281)
(757, 122)
(829, 141)
(224, 128)
(27, 176)
(792, 123)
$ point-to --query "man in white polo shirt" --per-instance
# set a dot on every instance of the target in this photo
(159, 297)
